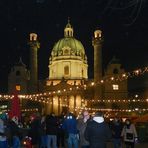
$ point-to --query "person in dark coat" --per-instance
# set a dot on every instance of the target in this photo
(15, 134)
(51, 130)
(97, 132)
(116, 128)
(34, 132)
(61, 133)
(43, 133)
(81, 125)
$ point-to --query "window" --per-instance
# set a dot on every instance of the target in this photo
(18, 87)
(68, 33)
(82, 73)
(115, 87)
(18, 73)
(66, 70)
(115, 71)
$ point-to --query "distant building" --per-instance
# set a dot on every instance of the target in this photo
(115, 89)
(18, 78)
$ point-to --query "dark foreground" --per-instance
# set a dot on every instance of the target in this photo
(137, 145)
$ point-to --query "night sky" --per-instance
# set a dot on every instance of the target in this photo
(124, 24)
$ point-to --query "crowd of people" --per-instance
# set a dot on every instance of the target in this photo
(68, 131)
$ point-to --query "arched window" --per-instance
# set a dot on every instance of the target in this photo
(115, 71)
(67, 34)
(18, 73)
(66, 70)
(82, 73)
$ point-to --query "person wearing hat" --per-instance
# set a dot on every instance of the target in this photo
(97, 131)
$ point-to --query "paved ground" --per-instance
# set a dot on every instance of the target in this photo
(110, 145)
(138, 145)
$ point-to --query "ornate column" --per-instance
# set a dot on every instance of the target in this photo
(34, 46)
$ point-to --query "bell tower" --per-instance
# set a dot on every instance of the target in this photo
(97, 44)
(34, 46)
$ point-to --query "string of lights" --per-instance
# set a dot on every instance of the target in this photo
(26, 110)
(117, 78)
(106, 109)
(47, 99)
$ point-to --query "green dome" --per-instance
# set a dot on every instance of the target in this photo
(70, 42)
(68, 46)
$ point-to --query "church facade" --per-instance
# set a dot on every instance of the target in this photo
(68, 75)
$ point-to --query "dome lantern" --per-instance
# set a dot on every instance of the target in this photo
(68, 31)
